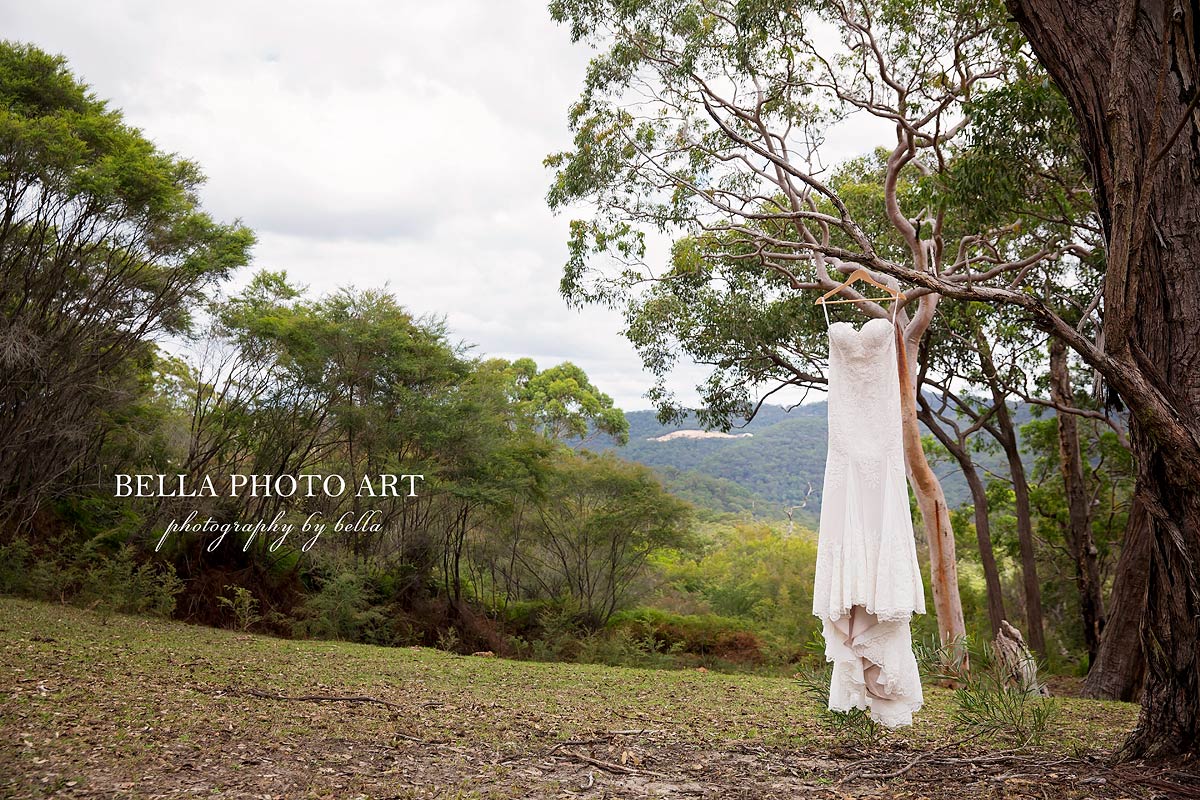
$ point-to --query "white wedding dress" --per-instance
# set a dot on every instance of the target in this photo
(868, 582)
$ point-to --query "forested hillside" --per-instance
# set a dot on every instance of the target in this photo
(780, 465)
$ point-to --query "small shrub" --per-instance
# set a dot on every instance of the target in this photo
(51, 573)
(560, 631)
(16, 559)
(988, 701)
(621, 648)
(343, 609)
(697, 634)
(101, 574)
(108, 583)
(449, 640)
(541, 650)
(521, 617)
(243, 605)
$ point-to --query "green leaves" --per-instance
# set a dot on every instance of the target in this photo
(707, 125)
(600, 520)
(561, 402)
(103, 248)
(1021, 162)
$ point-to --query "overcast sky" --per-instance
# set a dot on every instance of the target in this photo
(370, 143)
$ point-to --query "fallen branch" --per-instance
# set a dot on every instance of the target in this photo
(1162, 780)
(619, 769)
(881, 776)
(928, 754)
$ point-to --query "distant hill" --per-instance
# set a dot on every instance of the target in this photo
(780, 465)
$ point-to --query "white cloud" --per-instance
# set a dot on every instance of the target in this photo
(370, 142)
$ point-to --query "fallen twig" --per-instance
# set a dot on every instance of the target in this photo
(881, 776)
(620, 769)
(928, 754)
(571, 742)
(1160, 781)
(633, 718)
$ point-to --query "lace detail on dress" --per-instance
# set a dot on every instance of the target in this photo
(860, 643)
(835, 473)
(870, 472)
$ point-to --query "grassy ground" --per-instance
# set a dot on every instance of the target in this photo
(129, 707)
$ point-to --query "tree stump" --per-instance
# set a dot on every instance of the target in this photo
(1018, 663)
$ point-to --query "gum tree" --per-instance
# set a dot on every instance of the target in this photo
(1131, 71)
(708, 123)
(707, 118)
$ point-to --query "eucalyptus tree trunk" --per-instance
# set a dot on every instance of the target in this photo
(983, 530)
(1006, 435)
(932, 502)
(1131, 72)
(1079, 521)
(1119, 668)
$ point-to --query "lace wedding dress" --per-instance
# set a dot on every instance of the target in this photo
(868, 582)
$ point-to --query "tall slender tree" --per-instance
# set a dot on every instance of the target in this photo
(1079, 523)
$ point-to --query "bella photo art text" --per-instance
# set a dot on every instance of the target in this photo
(313, 483)
(278, 529)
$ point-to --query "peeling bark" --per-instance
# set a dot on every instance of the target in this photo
(1006, 435)
(1131, 73)
(932, 502)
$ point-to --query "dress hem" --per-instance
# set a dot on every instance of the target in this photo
(882, 614)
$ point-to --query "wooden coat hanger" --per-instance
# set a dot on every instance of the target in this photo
(859, 274)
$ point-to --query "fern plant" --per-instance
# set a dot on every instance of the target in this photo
(243, 605)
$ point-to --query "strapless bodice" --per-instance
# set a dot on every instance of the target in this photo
(867, 340)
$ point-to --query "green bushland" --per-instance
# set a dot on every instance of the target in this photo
(523, 540)
(95, 575)
(695, 634)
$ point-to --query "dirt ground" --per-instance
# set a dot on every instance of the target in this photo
(125, 707)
